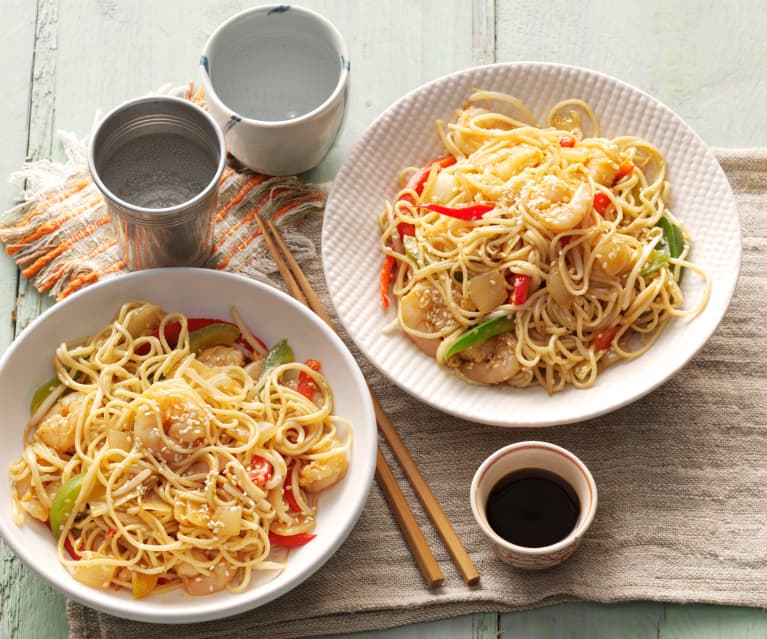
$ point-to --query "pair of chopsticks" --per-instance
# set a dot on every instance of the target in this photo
(299, 288)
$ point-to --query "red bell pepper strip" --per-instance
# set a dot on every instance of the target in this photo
(415, 184)
(521, 284)
(290, 541)
(67, 544)
(601, 202)
(172, 330)
(417, 181)
(306, 385)
(71, 549)
(386, 271)
(626, 168)
(259, 470)
(288, 491)
(471, 212)
(289, 497)
(604, 339)
(567, 141)
(405, 228)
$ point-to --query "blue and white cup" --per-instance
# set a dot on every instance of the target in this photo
(276, 80)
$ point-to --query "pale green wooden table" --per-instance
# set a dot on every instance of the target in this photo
(62, 60)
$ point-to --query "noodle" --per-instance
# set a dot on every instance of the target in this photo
(535, 255)
(169, 457)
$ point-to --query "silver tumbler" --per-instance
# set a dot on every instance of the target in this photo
(158, 162)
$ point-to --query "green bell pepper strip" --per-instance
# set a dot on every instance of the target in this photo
(65, 498)
(42, 392)
(672, 235)
(279, 354)
(480, 334)
(218, 333)
(411, 248)
(671, 247)
(654, 262)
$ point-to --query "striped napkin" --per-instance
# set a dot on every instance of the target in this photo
(61, 237)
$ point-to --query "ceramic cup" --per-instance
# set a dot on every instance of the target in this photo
(276, 80)
(534, 456)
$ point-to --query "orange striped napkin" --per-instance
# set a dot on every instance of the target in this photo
(61, 236)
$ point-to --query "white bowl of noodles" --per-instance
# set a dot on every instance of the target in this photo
(271, 316)
(406, 135)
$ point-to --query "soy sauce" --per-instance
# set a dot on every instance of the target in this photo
(532, 507)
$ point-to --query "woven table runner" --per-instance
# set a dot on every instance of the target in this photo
(682, 483)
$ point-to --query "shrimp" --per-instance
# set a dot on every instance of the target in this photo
(557, 290)
(221, 356)
(197, 583)
(507, 162)
(492, 362)
(615, 254)
(318, 475)
(57, 428)
(424, 311)
(601, 167)
(564, 216)
(169, 421)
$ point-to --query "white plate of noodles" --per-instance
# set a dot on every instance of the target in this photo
(540, 250)
(200, 459)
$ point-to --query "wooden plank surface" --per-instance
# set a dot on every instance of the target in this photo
(28, 606)
(706, 60)
(67, 60)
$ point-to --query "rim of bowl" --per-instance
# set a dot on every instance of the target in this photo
(343, 76)
(531, 551)
(167, 209)
(200, 611)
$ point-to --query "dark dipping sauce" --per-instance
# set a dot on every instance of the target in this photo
(532, 507)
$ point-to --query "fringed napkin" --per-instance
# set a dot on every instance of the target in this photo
(62, 239)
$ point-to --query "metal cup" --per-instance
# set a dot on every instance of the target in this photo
(158, 161)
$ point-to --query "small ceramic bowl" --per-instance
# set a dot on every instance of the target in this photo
(534, 456)
(276, 80)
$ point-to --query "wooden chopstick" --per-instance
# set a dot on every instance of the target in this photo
(412, 532)
(429, 501)
(432, 506)
(414, 536)
(287, 276)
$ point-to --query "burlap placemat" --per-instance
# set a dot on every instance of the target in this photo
(682, 477)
